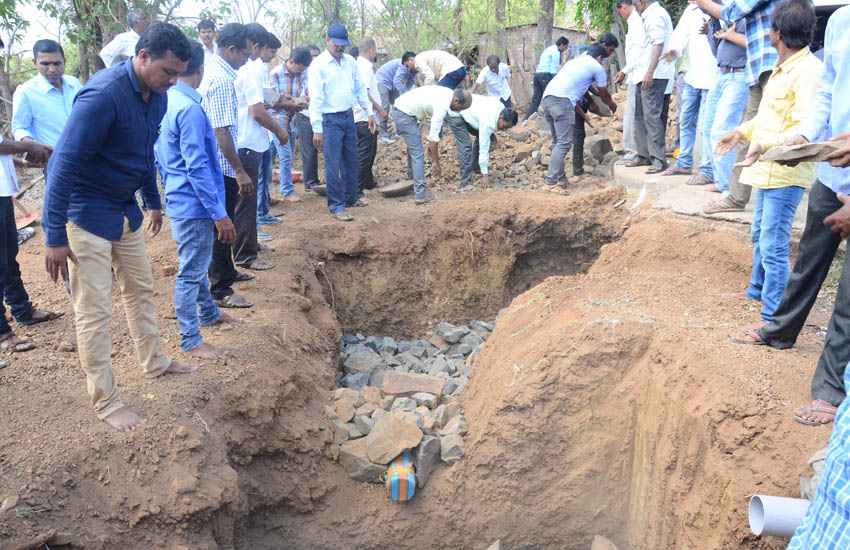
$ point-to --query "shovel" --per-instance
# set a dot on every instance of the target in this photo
(28, 218)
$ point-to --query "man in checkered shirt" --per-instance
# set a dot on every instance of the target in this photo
(219, 101)
(761, 56)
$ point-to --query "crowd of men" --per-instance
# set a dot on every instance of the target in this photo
(210, 118)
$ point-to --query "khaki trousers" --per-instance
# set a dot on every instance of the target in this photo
(91, 292)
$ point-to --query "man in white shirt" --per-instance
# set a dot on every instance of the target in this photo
(559, 102)
(698, 81)
(649, 128)
(440, 68)
(252, 142)
(483, 118)
(497, 77)
(11, 286)
(635, 38)
(125, 42)
(206, 34)
(412, 108)
(367, 141)
(335, 86)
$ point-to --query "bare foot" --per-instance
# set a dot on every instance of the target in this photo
(205, 351)
(227, 318)
(124, 420)
(752, 326)
(294, 198)
(817, 413)
(179, 367)
(739, 295)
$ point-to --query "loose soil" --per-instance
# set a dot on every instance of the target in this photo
(608, 400)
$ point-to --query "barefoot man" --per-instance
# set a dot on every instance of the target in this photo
(91, 218)
(187, 158)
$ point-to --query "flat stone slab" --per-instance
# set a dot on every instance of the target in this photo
(404, 383)
(397, 189)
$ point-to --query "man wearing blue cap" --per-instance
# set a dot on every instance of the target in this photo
(335, 85)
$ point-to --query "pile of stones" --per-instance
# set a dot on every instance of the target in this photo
(397, 395)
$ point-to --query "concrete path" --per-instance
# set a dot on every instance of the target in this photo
(671, 193)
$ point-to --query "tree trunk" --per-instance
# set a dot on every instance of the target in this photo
(500, 12)
(545, 22)
(84, 68)
(6, 94)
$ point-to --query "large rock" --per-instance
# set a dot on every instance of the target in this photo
(495, 546)
(451, 333)
(456, 425)
(404, 404)
(364, 423)
(402, 383)
(601, 543)
(452, 448)
(426, 457)
(517, 133)
(355, 381)
(371, 394)
(427, 399)
(598, 146)
(481, 326)
(389, 437)
(362, 360)
(473, 340)
(523, 152)
(354, 458)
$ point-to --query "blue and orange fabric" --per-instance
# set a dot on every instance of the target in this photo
(400, 479)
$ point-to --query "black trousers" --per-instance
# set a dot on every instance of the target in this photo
(309, 154)
(245, 247)
(540, 82)
(818, 246)
(222, 272)
(367, 148)
(507, 103)
(11, 285)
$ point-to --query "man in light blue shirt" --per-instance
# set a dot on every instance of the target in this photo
(559, 103)
(550, 61)
(335, 85)
(42, 104)
(395, 77)
(483, 117)
(187, 158)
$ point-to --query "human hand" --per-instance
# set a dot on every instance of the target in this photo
(485, 181)
(226, 230)
(729, 140)
(839, 220)
(670, 56)
(793, 140)
(647, 82)
(619, 77)
(704, 28)
(841, 157)
(753, 154)
(282, 135)
(154, 222)
(373, 126)
(56, 261)
(318, 141)
(246, 186)
(436, 170)
(725, 34)
(37, 152)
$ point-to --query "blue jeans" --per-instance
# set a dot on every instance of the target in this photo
(694, 101)
(771, 235)
(453, 79)
(284, 155)
(727, 102)
(264, 180)
(341, 161)
(192, 298)
(408, 129)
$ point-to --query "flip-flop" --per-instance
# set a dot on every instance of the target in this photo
(342, 216)
(269, 220)
(818, 405)
(258, 265)
(624, 161)
(244, 276)
(426, 200)
(51, 315)
(360, 203)
(8, 344)
(233, 301)
(264, 239)
(676, 171)
(753, 334)
(637, 162)
(721, 205)
(556, 189)
(655, 170)
(699, 179)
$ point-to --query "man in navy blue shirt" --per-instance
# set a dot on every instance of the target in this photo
(103, 156)
(187, 157)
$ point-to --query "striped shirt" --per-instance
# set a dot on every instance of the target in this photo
(287, 83)
(219, 101)
(761, 56)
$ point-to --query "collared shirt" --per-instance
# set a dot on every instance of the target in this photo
(208, 55)
(219, 101)
(334, 87)
(104, 155)
(575, 77)
(825, 525)
(250, 79)
(687, 35)
(123, 44)
(550, 60)
(367, 75)
(8, 176)
(729, 55)
(427, 101)
(635, 39)
(433, 65)
(827, 115)
(787, 99)
(659, 29)
(41, 110)
(187, 157)
(394, 75)
(483, 115)
(761, 56)
(498, 84)
(286, 83)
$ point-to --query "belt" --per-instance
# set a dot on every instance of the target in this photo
(726, 70)
(347, 111)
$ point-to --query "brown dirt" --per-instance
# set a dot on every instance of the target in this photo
(610, 402)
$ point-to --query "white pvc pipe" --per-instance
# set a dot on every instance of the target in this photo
(776, 516)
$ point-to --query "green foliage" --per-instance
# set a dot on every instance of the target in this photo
(601, 13)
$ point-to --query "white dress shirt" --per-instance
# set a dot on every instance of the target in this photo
(427, 101)
(659, 28)
(435, 64)
(334, 87)
(635, 39)
(497, 83)
(367, 75)
(703, 64)
(122, 44)
(483, 115)
(249, 91)
(8, 177)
